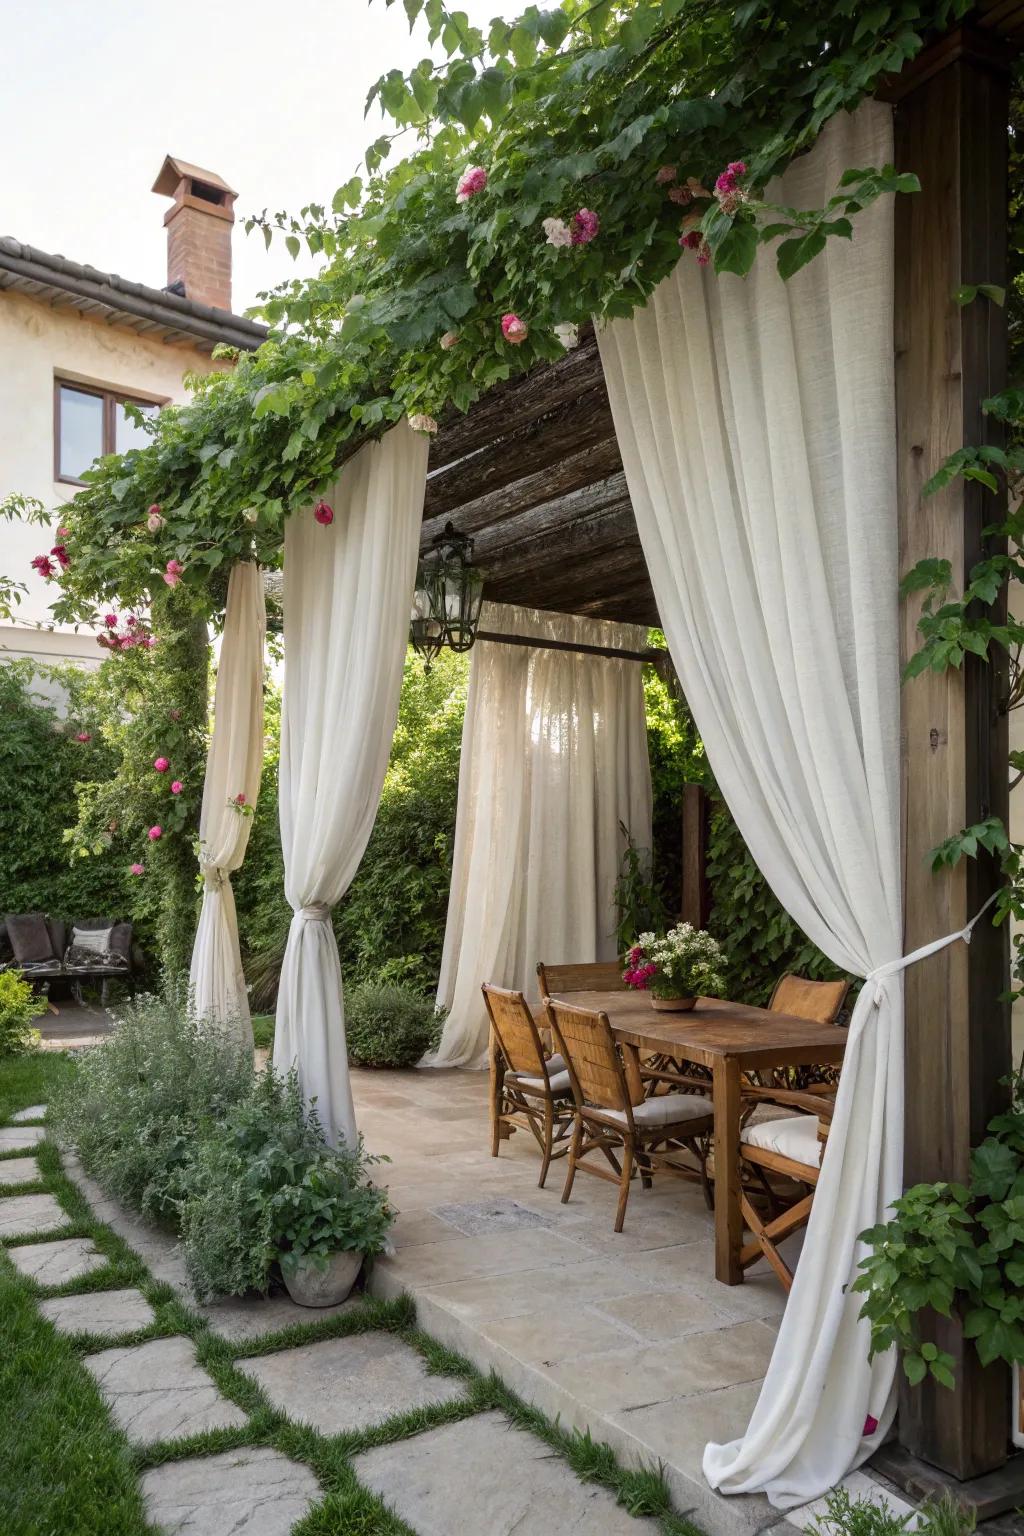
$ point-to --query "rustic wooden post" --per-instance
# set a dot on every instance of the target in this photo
(696, 901)
(951, 129)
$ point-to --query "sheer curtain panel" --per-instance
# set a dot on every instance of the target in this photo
(347, 596)
(554, 758)
(756, 421)
(232, 784)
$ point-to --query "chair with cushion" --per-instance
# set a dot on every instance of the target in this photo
(531, 1089)
(790, 1148)
(99, 950)
(613, 1115)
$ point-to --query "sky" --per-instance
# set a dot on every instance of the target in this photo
(267, 93)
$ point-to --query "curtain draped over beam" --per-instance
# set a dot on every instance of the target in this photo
(756, 421)
(233, 768)
(554, 757)
(347, 597)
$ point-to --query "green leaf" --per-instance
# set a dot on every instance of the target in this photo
(737, 249)
(794, 254)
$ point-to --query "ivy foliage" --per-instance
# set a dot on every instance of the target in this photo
(578, 105)
(954, 1245)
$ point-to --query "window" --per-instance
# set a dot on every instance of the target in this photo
(90, 422)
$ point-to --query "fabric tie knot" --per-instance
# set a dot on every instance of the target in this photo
(214, 877)
(315, 912)
(892, 967)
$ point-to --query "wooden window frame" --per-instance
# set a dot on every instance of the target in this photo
(111, 399)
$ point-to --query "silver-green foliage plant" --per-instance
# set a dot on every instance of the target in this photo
(266, 1188)
(142, 1101)
(18, 1008)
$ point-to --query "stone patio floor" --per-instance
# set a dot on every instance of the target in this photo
(628, 1336)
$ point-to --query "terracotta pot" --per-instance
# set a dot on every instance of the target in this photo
(326, 1287)
(673, 1004)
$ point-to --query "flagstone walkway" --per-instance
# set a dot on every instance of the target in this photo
(248, 1415)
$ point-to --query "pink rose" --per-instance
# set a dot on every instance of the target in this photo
(110, 620)
(472, 181)
(44, 565)
(556, 232)
(176, 787)
(155, 834)
(585, 226)
(137, 869)
(449, 340)
(323, 513)
(161, 764)
(63, 533)
(173, 572)
(61, 555)
(870, 1425)
(84, 736)
(666, 174)
(155, 519)
(513, 329)
(239, 799)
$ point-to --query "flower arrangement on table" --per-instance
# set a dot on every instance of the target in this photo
(677, 968)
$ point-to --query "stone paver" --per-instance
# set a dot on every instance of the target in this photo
(19, 1170)
(106, 1313)
(247, 1493)
(21, 1214)
(343, 1384)
(240, 1318)
(68, 1258)
(482, 1475)
(19, 1138)
(34, 1112)
(159, 1391)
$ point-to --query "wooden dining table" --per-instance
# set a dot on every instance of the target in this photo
(729, 1039)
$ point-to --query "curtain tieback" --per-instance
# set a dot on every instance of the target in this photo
(315, 912)
(892, 967)
(215, 877)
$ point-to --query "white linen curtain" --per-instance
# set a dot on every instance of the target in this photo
(554, 757)
(347, 597)
(756, 421)
(233, 768)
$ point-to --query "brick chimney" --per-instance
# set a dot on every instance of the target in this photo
(198, 232)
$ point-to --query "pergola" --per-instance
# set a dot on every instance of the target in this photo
(534, 474)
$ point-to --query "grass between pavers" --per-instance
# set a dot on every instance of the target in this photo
(65, 1466)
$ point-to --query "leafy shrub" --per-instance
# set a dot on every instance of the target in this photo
(142, 1101)
(388, 1025)
(862, 1516)
(17, 1010)
(265, 1187)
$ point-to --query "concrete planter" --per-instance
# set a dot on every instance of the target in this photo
(311, 1286)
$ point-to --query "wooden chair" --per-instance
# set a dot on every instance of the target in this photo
(821, 1001)
(790, 1147)
(612, 1113)
(532, 1089)
(596, 976)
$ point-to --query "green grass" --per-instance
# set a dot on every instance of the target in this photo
(263, 1030)
(65, 1467)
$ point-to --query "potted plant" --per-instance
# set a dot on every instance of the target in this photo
(325, 1224)
(675, 969)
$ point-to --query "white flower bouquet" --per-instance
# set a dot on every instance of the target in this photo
(685, 963)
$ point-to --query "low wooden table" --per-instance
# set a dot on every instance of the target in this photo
(730, 1039)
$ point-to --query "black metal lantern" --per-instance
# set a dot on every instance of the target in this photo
(449, 593)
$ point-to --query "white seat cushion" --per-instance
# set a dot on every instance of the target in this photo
(556, 1064)
(795, 1137)
(559, 1082)
(664, 1109)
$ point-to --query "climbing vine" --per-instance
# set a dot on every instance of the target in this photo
(555, 168)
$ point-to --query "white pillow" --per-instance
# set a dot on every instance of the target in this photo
(95, 939)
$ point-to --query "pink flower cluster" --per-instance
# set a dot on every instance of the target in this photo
(45, 567)
(639, 970)
(730, 195)
(513, 329)
(472, 181)
(134, 633)
(324, 514)
(173, 572)
(585, 226)
(693, 240)
(155, 519)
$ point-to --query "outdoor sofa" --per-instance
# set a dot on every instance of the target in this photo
(47, 949)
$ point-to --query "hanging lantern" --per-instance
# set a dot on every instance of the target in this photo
(449, 593)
